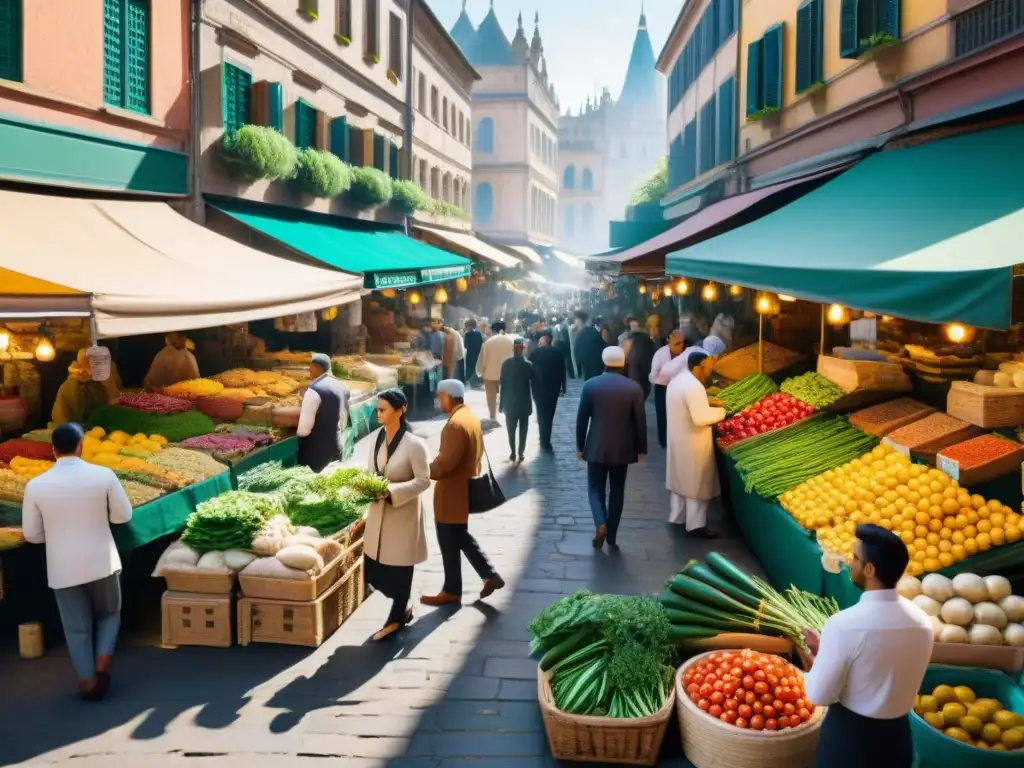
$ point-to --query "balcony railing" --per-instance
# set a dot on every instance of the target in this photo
(988, 23)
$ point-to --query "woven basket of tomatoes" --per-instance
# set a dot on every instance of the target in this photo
(742, 708)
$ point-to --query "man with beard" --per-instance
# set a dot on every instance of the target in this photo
(548, 385)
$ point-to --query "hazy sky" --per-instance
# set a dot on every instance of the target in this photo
(586, 42)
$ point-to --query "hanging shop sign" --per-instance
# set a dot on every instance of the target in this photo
(383, 280)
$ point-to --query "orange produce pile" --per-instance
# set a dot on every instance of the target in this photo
(751, 690)
(979, 450)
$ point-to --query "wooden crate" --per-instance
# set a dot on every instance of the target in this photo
(304, 590)
(982, 473)
(852, 375)
(306, 623)
(988, 407)
(191, 619)
(881, 419)
(200, 582)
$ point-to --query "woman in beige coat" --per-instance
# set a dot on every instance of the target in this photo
(394, 541)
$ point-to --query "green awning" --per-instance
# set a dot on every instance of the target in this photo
(386, 257)
(927, 233)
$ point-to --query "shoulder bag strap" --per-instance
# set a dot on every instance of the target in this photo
(490, 469)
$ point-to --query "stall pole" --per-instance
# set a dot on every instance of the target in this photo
(821, 343)
(760, 342)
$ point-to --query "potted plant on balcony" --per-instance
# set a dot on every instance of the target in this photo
(344, 40)
(257, 152)
(882, 49)
(768, 116)
(321, 174)
(370, 188)
(408, 197)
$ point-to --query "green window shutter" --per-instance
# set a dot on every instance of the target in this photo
(275, 106)
(849, 34)
(393, 161)
(137, 49)
(378, 152)
(771, 57)
(113, 53)
(339, 138)
(10, 39)
(305, 125)
(804, 43)
(708, 132)
(755, 98)
(236, 98)
(888, 19)
(726, 121)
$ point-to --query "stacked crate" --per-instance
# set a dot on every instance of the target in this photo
(198, 609)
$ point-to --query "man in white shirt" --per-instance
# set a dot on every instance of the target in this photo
(323, 417)
(869, 662)
(661, 381)
(69, 508)
(495, 351)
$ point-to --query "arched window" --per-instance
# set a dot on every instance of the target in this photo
(569, 177)
(435, 183)
(569, 221)
(483, 204)
(485, 135)
(446, 188)
(444, 112)
(422, 89)
(588, 178)
(434, 103)
(587, 220)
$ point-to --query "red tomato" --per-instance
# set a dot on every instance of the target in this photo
(750, 698)
(767, 698)
(717, 697)
(789, 709)
(758, 707)
(773, 680)
(794, 721)
(718, 685)
(692, 688)
(715, 711)
(731, 705)
(748, 666)
(801, 703)
(736, 672)
(744, 711)
(748, 681)
(783, 722)
(788, 695)
(705, 690)
(759, 675)
(688, 677)
(703, 705)
(741, 723)
(771, 725)
(757, 723)
(760, 688)
(729, 689)
(804, 713)
(769, 711)
(694, 697)
(729, 717)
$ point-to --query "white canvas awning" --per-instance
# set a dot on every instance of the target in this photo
(473, 245)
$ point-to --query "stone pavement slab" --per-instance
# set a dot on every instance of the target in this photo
(456, 689)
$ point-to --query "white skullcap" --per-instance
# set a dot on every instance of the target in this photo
(613, 357)
(452, 388)
(713, 345)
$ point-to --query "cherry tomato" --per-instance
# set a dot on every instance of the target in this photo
(692, 688)
(705, 690)
(804, 713)
(715, 711)
(794, 721)
(757, 723)
(694, 697)
(760, 688)
(688, 677)
(801, 703)
(729, 717)
(748, 682)
(749, 698)
(703, 704)
(731, 705)
(736, 672)
(717, 697)
(758, 707)
(744, 711)
(741, 723)
(771, 725)
(767, 698)
(778, 705)
(789, 709)
(718, 685)
(769, 711)
(748, 666)
(759, 675)
(773, 680)
(783, 722)
(729, 689)
(788, 695)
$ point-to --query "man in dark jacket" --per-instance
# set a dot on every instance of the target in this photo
(548, 384)
(516, 377)
(473, 341)
(589, 346)
(562, 344)
(611, 434)
(323, 417)
(639, 356)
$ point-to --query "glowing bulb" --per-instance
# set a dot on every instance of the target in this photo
(957, 333)
(786, 297)
(5, 341)
(682, 286)
(886, 318)
(764, 305)
(462, 285)
(440, 295)
(388, 293)
(601, 284)
(709, 292)
(415, 298)
(667, 290)
(836, 313)
(642, 289)
(735, 290)
(44, 351)
(329, 314)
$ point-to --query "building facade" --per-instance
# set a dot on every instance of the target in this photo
(582, 152)
(96, 96)
(514, 133)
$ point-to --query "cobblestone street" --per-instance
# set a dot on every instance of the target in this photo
(456, 688)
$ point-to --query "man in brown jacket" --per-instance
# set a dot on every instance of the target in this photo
(458, 460)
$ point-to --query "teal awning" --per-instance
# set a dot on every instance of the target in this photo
(928, 233)
(386, 257)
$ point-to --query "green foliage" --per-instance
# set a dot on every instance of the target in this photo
(880, 40)
(447, 210)
(322, 174)
(370, 188)
(653, 188)
(762, 113)
(408, 197)
(271, 476)
(258, 152)
(228, 521)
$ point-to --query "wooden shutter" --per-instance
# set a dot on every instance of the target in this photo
(10, 40)
(771, 56)
(236, 92)
(323, 131)
(708, 134)
(378, 152)
(267, 105)
(305, 125)
(849, 34)
(888, 18)
(395, 45)
(372, 22)
(339, 144)
(393, 161)
(755, 98)
(726, 122)
(356, 144)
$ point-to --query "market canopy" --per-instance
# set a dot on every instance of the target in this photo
(141, 267)
(527, 252)
(386, 257)
(928, 233)
(466, 241)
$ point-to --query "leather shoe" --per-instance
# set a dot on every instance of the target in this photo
(389, 631)
(599, 537)
(442, 598)
(491, 586)
(703, 533)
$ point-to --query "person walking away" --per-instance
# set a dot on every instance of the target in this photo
(611, 434)
(516, 377)
(69, 509)
(395, 541)
(473, 341)
(323, 417)
(172, 364)
(589, 346)
(563, 344)
(495, 351)
(549, 368)
(691, 472)
(869, 662)
(640, 356)
(453, 353)
(579, 323)
(661, 380)
(457, 462)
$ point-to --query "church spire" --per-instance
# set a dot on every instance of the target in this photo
(643, 15)
(520, 48)
(640, 91)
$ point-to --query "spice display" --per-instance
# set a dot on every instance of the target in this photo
(220, 407)
(175, 427)
(813, 388)
(40, 435)
(225, 444)
(240, 394)
(154, 403)
(775, 411)
(979, 450)
(775, 462)
(606, 654)
(29, 468)
(258, 383)
(958, 713)
(935, 430)
(193, 466)
(140, 493)
(229, 521)
(758, 691)
(881, 419)
(968, 608)
(743, 362)
(29, 449)
(97, 442)
(193, 389)
(746, 391)
(12, 485)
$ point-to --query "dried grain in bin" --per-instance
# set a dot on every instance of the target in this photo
(593, 739)
(710, 743)
(191, 619)
(934, 750)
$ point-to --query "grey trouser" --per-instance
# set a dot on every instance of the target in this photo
(91, 615)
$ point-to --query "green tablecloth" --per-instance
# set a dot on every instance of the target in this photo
(788, 552)
(286, 451)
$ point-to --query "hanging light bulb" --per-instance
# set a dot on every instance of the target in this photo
(601, 284)
(462, 285)
(440, 295)
(764, 303)
(682, 286)
(837, 314)
(414, 297)
(667, 290)
(388, 293)
(709, 292)
(786, 297)
(44, 350)
(959, 333)
(329, 314)
(5, 340)
(642, 289)
(735, 290)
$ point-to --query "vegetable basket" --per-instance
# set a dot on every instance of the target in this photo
(593, 739)
(710, 743)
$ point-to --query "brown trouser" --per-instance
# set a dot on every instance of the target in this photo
(491, 389)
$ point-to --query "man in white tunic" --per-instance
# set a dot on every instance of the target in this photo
(691, 473)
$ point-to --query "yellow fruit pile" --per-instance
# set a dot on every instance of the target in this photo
(29, 468)
(960, 715)
(107, 450)
(940, 522)
(193, 389)
(12, 485)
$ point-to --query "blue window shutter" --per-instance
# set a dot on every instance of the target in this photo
(339, 138)
(726, 121)
(393, 161)
(275, 106)
(771, 56)
(378, 152)
(888, 19)
(10, 40)
(137, 48)
(113, 53)
(236, 97)
(755, 99)
(305, 125)
(849, 34)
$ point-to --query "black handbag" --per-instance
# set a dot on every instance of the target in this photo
(484, 493)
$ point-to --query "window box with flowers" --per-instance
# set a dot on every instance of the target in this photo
(344, 40)
(372, 58)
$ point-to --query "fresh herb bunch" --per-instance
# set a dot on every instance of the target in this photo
(229, 521)
(367, 485)
(175, 427)
(327, 512)
(272, 476)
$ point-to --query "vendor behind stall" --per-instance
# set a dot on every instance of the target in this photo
(79, 394)
(172, 364)
(324, 416)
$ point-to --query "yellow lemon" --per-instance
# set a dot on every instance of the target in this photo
(944, 694)
(1005, 719)
(1013, 738)
(972, 725)
(959, 734)
(934, 719)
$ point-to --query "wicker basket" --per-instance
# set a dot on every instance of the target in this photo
(200, 582)
(988, 407)
(303, 590)
(710, 743)
(587, 738)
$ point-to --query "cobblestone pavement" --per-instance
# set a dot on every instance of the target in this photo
(456, 689)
